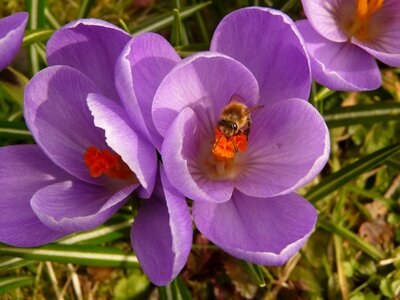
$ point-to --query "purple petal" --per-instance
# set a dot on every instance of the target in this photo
(24, 170)
(325, 16)
(57, 114)
(136, 152)
(385, 45)
(72, 206)
(181, 153)
(205, 82)
(12, 30)
(339, 66)
(288, 146)
(162, 235)
(267, 42)
(266, 231)
(142, 65)
(91, 46)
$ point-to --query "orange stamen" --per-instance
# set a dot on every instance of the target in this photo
(365, 8)
(107, 163)
(224, 147)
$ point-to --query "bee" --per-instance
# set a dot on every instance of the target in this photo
(235, 120)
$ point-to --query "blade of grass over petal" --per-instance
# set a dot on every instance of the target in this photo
(334, 181)
(165, 20)
(76, 254)
(362, 114)
(13, 282)
(353, 238)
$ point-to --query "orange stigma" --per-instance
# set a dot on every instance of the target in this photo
(107, 163)
(365, 8)
(225, 147)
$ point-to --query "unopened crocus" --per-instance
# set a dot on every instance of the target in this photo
(12, 30)
(245, 202)
(89, 156)
(343, 38)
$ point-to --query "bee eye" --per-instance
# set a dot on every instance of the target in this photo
(234, 126)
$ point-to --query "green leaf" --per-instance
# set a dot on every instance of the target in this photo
(13, 83)
(336, 180)
(351, 237)
(165, 20)
(76, 254)
(177, 29)
(255, 272)
(176, 290)
(15, 130)
(131, 287)
(35, 36)
(12, 282)
(85, 8)
(362, 114)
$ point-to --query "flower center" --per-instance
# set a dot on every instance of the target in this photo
(360, 27)
(107, 163)
(226, 147)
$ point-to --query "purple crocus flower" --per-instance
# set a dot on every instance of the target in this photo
(12, 30)
(89, 156)
(343, 37)
(245, 205)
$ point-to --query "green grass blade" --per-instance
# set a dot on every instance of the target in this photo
(332, 182)
(165, 20)
(12, 282)
(35, 36)
(15, 130)
(363, 114)
(255, 273)
(83, 255)
(351, 237)
(85, 8)
(51, 19)
(13, 83)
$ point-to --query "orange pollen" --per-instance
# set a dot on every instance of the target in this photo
(107, 163)
(226, 147)
(365, 8)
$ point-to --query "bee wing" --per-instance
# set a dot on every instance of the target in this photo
(251, 109)
(236, 97)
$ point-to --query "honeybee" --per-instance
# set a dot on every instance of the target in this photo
(235, 119)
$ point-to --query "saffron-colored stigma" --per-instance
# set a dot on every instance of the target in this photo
(224, 147)
(107, 163)
(360, 26)
(365, 8)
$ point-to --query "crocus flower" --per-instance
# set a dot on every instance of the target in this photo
(89, 157)
(245, 205)
(12, 30)
(343, 37)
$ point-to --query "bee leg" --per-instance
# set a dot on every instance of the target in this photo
(235, 147)
(216, 143)
(247, 131)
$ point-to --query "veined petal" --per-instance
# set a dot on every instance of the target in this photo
(267, 42)
(91, 46)
(339, 66)
(71, 206)
(142, 65)
(205, 82)
(182, 159)
(162, 235)
(288, 147)
(324, 16)
(138, 153)
(56, 112)
(24, 170)
(12, 30)
(266, 231)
